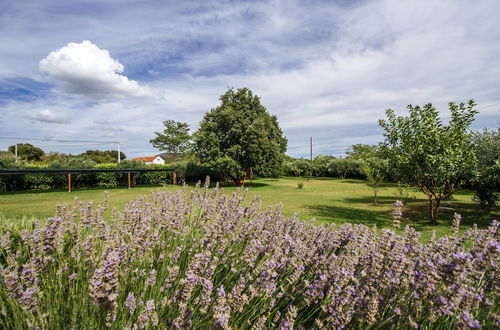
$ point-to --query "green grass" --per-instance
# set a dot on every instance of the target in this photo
(327, 200)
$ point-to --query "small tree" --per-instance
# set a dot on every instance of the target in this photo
(240, 136)
(374, 168)
(174, 139)
(434, 157)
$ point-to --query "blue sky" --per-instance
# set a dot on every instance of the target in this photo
(114, 70)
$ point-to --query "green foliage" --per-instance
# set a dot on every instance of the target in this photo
(290, 167)
(96, 156)
(375, 169)
(345, 167)
(189, 170)
(73, 162)
(7, 160)
(488, 186)
(45, 181)
(174, 139)
(103, 156)
(404, 192)
(241, 135)
(227, 168)
(423, 152)
(156, 177)
(487, 146)
(321, 165)
(27, 151)
(52, 156)
(300, 184)
(304, 165)
(362, 151)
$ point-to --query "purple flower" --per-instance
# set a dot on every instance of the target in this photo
(221, 292)
(130, 302)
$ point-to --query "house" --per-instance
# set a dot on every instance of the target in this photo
(150, 160)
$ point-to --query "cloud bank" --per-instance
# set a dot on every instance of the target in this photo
(327, 69)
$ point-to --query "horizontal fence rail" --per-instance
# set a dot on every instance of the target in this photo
(79, 171)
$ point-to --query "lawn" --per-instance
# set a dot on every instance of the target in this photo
(325, 199)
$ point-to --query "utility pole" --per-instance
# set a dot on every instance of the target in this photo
(119, 156)
(15, 149)
(311, 145)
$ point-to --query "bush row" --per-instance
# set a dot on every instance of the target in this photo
(42, 181)
(186, 171)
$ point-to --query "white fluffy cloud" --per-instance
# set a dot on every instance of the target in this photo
(83, 68)
(47, 116)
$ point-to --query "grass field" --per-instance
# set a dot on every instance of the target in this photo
(327, 200)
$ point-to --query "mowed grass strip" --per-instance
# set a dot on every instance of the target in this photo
(327, 200)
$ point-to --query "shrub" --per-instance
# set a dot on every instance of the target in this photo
(488, 186)
(300, 185)
(203, 261)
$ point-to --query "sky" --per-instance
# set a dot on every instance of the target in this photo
(114, 70)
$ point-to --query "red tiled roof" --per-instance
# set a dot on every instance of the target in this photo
(145, 159)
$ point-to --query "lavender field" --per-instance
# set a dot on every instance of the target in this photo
(200, 259)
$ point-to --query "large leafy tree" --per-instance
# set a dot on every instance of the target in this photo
(174, 139)
(27, 151)
(428, 154)
(240, 136)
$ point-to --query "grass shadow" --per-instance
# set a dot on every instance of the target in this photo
(384, 199)
(414, 214)
(471, 214)
(355, 181)
(234, 185)
(340, 214)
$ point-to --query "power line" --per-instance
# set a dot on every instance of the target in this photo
(74, 145)
(489, 106)
(53, 140)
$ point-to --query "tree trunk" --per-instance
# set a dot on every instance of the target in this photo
(375, 193)
(433, 209)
